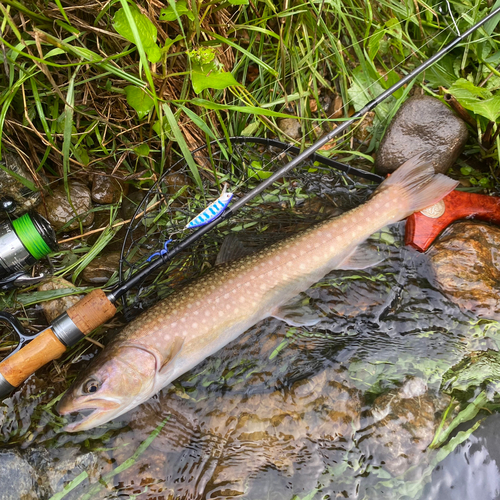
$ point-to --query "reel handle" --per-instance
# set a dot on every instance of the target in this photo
(66, 330)
(422, 228)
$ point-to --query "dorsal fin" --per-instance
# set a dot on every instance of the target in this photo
(232, 249)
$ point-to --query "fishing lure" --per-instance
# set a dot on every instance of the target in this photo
(213, 210)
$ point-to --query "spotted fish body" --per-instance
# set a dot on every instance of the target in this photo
(211, 212)
(195, 322)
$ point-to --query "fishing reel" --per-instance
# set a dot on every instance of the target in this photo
(23, 241)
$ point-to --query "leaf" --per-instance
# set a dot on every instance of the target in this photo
(169, 14)
(142, 150)
(208, 76)
(146, 29)
(476, 99)
(139, 100)
(374, 43)
(238, 2)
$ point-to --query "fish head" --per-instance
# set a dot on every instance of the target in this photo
(116, 381)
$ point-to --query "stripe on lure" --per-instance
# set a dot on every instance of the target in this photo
(213, 210)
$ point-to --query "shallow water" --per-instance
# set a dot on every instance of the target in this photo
(345, 409)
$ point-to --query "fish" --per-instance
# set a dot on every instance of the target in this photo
(196, 321)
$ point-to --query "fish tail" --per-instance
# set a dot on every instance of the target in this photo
(415, 186)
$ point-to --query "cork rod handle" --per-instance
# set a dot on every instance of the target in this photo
(88, 313)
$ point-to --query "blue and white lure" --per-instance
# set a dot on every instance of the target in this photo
(213, 210)
(210, 213)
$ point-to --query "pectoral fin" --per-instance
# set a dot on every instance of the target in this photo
(173, 349)
(362, 257)
(297, 312)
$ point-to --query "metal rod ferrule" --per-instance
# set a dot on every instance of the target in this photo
(5, 387)
(66, 331)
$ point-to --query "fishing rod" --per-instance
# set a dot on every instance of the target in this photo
(98, 307)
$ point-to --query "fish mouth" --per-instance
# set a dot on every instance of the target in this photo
(90, 414)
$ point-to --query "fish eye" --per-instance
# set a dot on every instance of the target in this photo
(90, 386)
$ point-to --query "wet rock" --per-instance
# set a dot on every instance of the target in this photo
(130, 203)
(291, 127)
(466, 266)
(422, 123)
(106, 189)
(10, 187)
(65, 470)
(405, 423)
(58, 211)
(18, 479)
(53, 308)
(102, 268)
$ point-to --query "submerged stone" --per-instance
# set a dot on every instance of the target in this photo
(422, 123)
(17, 476)
(466, 267)
(405, 423)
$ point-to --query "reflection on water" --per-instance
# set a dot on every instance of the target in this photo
(472, 470)
(344, 409)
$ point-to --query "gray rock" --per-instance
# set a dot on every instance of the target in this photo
(53, 308)
(107, 189)
(102, 268)
(17, 478)
(24, 198)
(58, 211)
(291, 127)
(422, 123)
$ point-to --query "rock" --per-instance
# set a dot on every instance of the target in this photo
(130, 203)
(422, 123)
(466, 266)
(10, 187)
(106, 189)
(53, 308)
(18, 479)
(58, 211)
(102, 268)
(405, 423)
(291, 127)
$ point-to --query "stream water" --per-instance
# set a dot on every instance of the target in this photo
(344, 409)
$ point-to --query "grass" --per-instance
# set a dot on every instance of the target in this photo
(226, 70)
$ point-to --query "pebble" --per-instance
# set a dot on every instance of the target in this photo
(53, 308)
(10, 187)
(291, 127)
(106, 189)
(101, 268)
(58, 211)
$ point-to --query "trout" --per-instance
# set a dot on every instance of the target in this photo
(192, 323)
